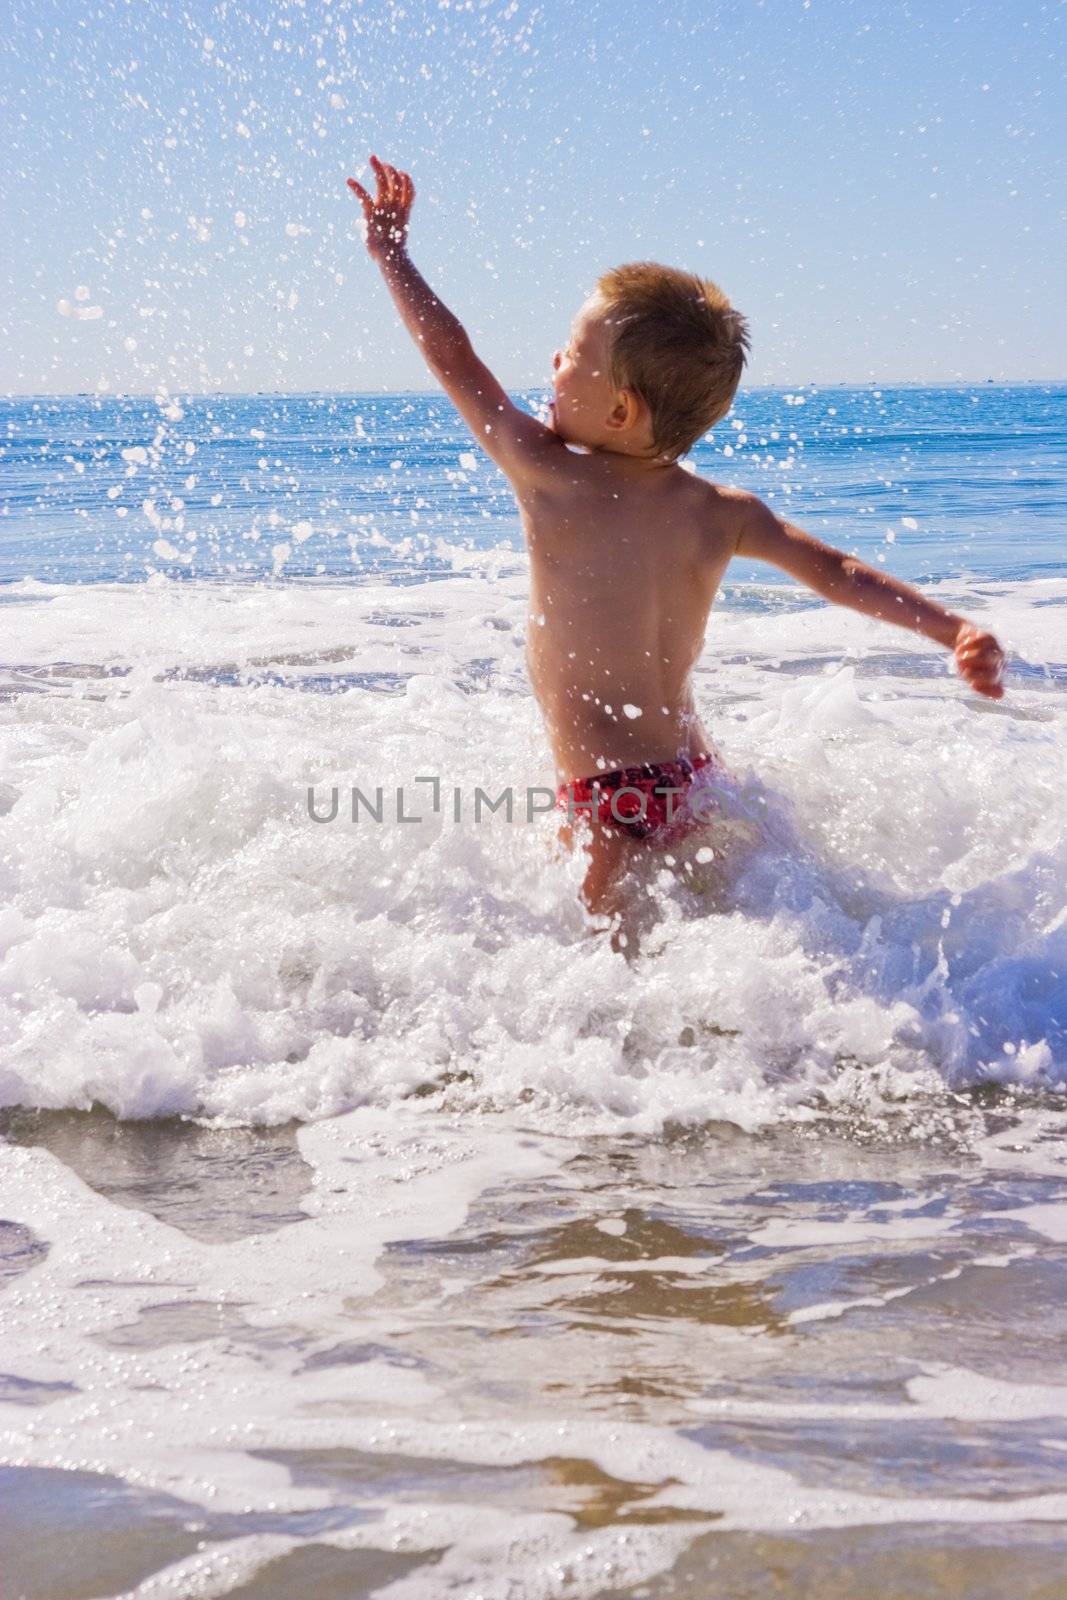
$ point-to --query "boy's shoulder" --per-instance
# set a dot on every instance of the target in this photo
(722, 494)
(725, 514)
(724, 505)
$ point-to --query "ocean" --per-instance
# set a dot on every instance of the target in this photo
(368, 1226)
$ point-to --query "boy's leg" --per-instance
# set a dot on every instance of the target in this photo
(605, 892)
(610, 855)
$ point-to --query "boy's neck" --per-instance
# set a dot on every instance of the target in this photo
(641, 463)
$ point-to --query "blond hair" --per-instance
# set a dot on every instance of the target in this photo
(678, 342)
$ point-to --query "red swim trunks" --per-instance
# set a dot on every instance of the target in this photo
(646, 802)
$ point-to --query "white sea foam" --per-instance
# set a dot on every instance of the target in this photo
(179, 936)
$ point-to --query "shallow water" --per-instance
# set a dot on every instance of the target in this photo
(372, 1228)
(493, 1360)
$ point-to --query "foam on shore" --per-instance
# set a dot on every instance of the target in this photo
(179, 937)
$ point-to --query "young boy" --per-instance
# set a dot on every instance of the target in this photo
(627, 549)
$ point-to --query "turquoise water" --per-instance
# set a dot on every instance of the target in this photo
(373, 483)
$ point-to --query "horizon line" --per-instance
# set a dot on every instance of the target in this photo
(377, 394)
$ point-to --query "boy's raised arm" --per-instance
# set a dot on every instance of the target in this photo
(847, 581)
(517, 442)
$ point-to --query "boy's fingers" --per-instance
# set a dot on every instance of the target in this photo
(987, 683)
(985, 686)
(383, 182)
(360, 193)
(982, 656)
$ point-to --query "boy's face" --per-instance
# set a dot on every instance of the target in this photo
(584, 394)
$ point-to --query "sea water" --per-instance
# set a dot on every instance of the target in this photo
(371, 1227)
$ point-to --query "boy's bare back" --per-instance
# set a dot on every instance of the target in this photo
(624, 567)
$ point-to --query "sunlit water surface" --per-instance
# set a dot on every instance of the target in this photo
(373, 1228)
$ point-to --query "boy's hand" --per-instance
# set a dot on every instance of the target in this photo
(387, 216)
(980, 660)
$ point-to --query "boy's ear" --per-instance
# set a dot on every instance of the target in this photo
(626, 411)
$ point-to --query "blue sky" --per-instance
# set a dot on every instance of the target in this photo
(879, 186)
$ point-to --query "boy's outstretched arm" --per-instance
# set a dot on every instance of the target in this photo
(517, 442)
(847, 581)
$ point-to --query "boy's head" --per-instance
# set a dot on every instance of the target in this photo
(654, 360)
